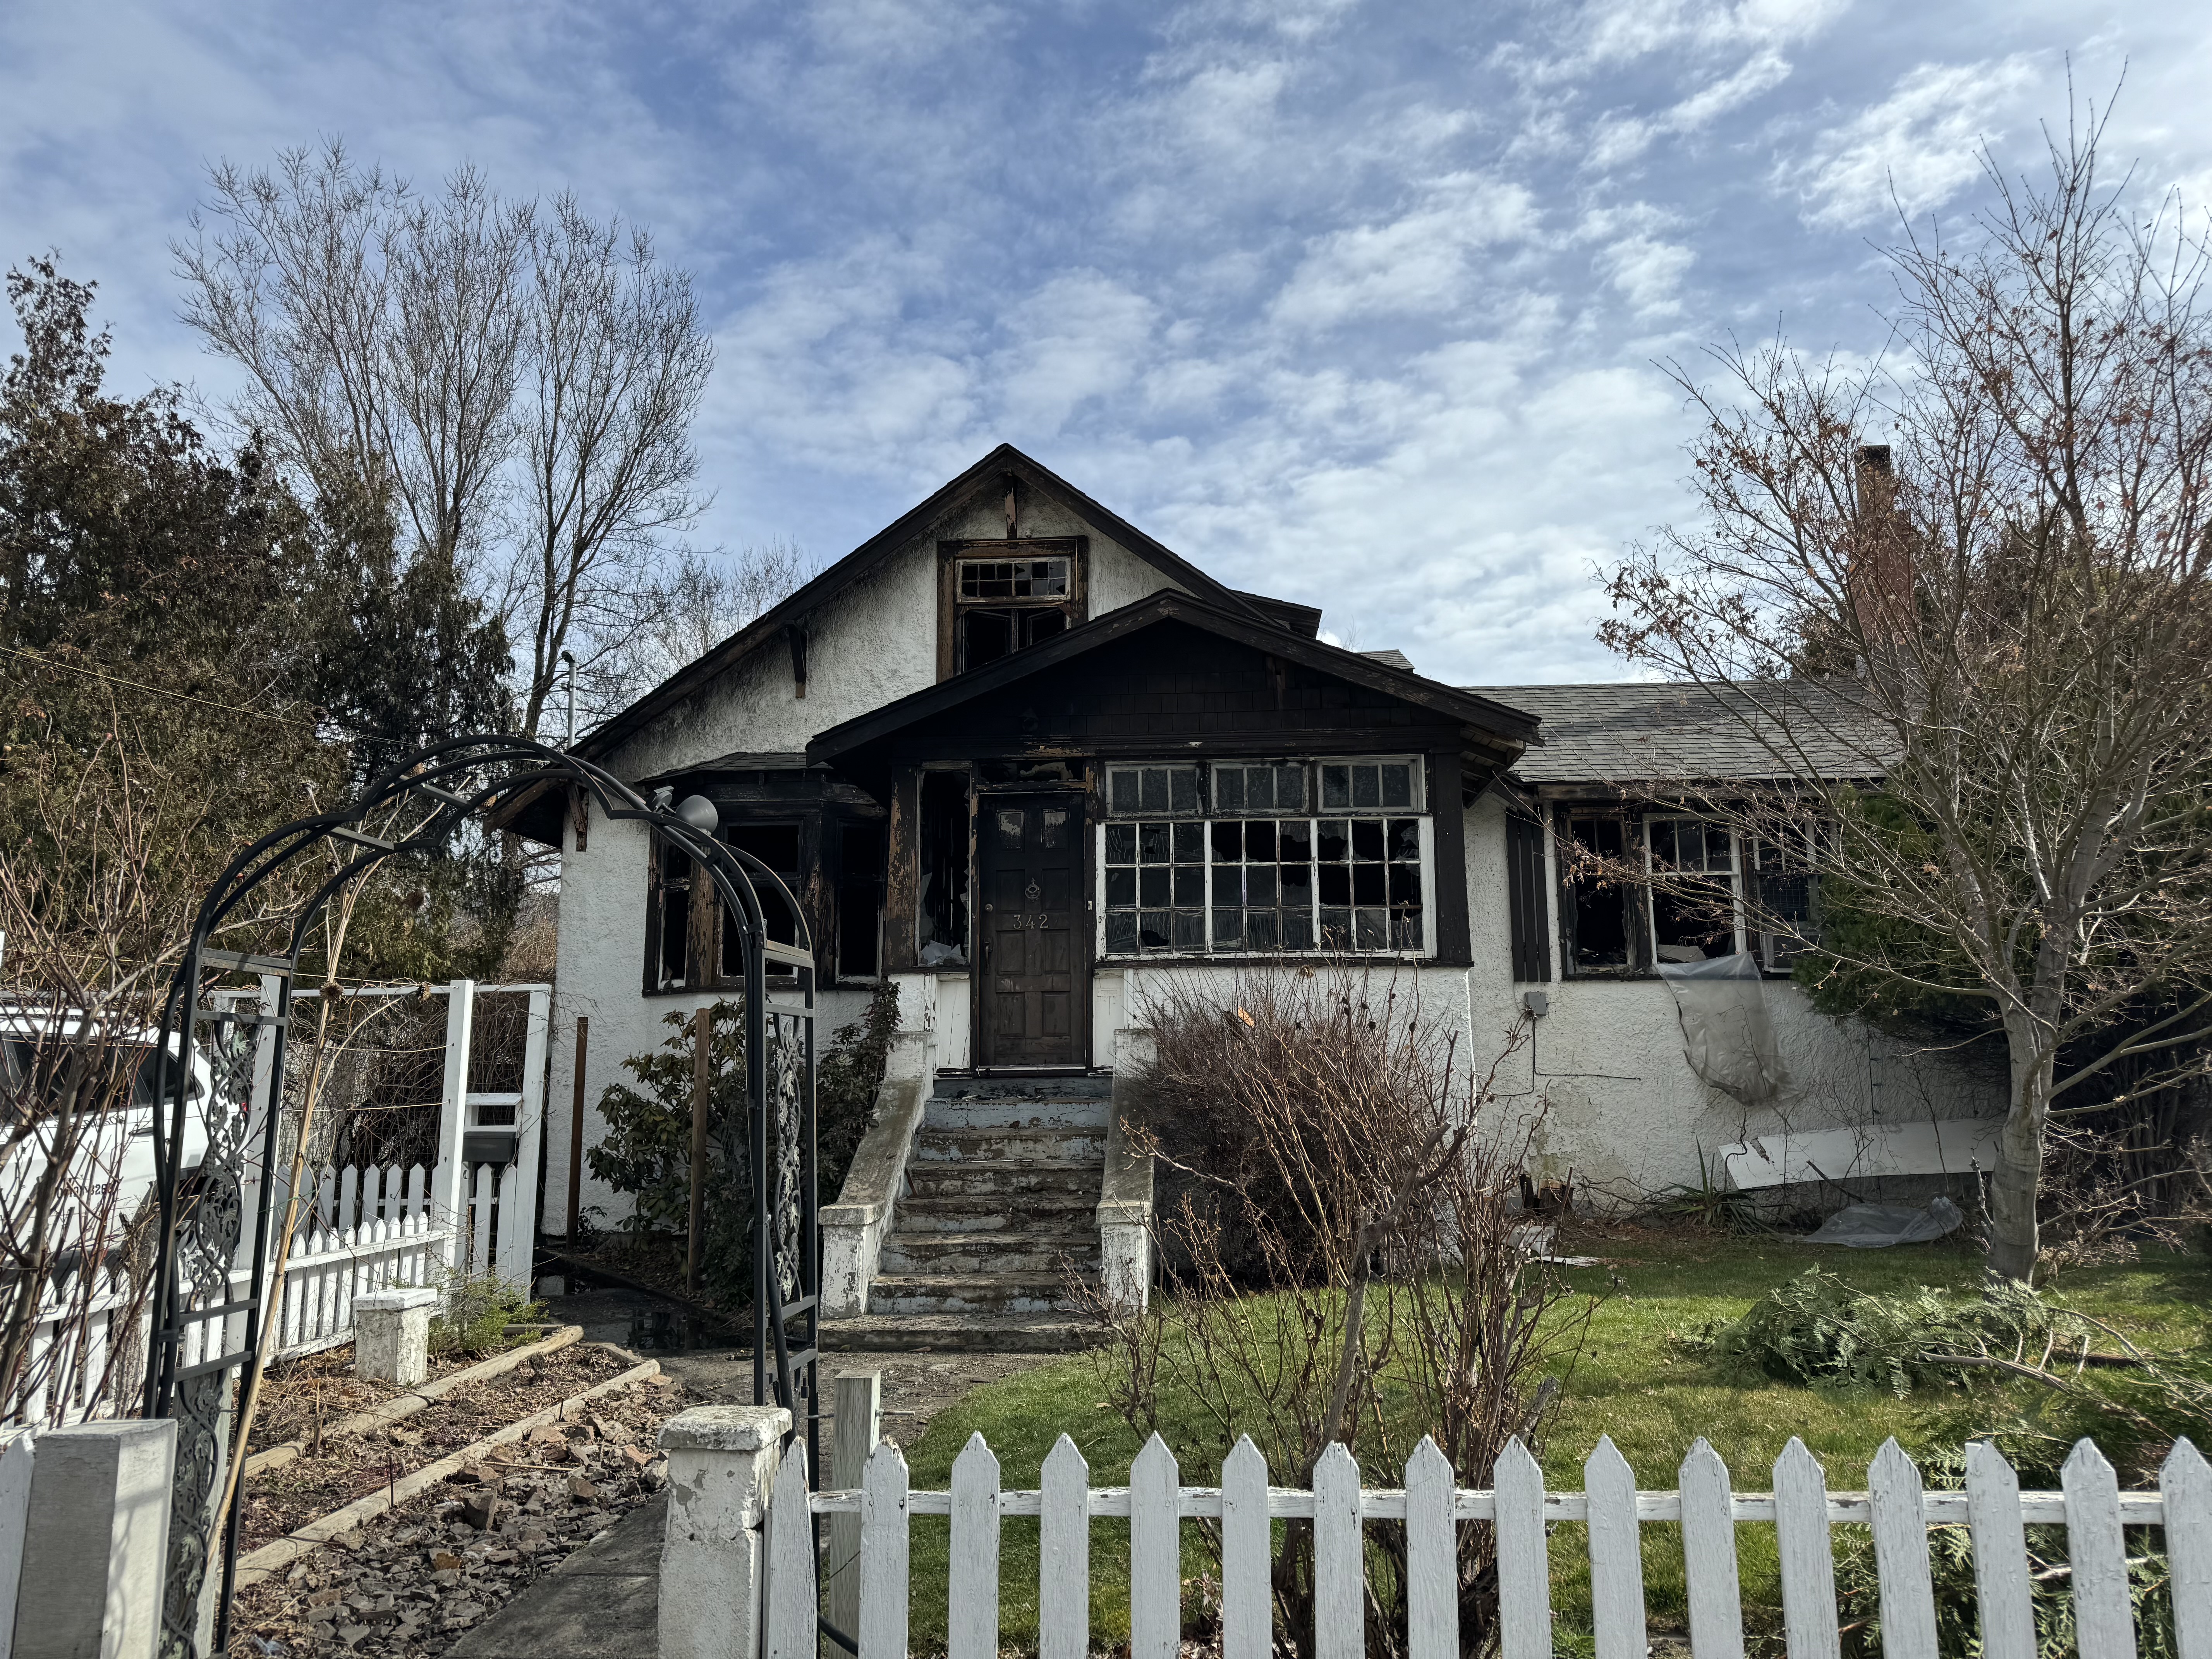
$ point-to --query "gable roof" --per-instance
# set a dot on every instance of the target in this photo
(1644, 732)
(908, 527)
(1508, 726)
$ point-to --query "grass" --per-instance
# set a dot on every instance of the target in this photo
(1635, 1379)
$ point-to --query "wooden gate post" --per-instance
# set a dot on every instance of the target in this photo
(859, 1425)
(576, 1130)
(449, 1185)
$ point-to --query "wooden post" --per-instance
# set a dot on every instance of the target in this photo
(449, 1182)
(702, 1057)
(859, 1425)
(576, 1129)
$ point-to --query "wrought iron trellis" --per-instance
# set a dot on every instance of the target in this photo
(202, 1217)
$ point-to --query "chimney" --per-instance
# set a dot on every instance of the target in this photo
(1880, 564)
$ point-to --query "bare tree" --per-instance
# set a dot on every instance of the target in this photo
(618, 363)
(520, 382)
(701, 599)
(1998, 623)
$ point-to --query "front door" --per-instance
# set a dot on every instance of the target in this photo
(1029, 854)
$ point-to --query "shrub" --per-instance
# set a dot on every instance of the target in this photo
(475, 1312)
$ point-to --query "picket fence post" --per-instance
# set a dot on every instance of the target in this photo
(1800, 1508)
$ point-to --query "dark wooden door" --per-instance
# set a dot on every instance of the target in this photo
(1029, 854)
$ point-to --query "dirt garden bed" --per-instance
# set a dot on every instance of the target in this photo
(407, 1583)
(350, 1466)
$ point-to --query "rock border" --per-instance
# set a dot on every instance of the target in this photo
(406, 1404)
(310, 1536)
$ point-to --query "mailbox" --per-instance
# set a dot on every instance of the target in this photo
(489, 1145)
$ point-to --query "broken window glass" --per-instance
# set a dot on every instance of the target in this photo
(1247, 877)
(1594, 920)
(942, 903)
(859, 899)
(1694, 909)
(671, 917)
(1788, 894)
(1013, 579)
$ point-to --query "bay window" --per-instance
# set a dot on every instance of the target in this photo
(1267, 858)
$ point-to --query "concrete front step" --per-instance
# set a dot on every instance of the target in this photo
(1022, 1250)
(1000, 1112)
(969, 1293)
(1050, 1144)
(944, 1178)
(979, 1212)
(958, 1333)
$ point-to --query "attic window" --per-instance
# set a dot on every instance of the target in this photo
(1002, 597)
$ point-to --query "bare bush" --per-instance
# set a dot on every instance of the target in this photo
(1345, 1160)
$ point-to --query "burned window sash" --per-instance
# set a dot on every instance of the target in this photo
(1002, 597)
(669, 956)
(946, 847)
(1600, 934)
(1233, 859)
(1696, 909)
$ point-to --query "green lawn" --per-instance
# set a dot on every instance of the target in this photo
(1633, 1379)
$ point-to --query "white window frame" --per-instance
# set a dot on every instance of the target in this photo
(1314, 812)
(1735, 881)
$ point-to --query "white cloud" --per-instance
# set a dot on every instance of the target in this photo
(1914, 151)
(1421, 262)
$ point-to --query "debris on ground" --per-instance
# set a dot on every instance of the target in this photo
(409, 1584)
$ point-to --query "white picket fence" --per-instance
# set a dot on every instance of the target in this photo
(361, 1229)
(1801, 1508)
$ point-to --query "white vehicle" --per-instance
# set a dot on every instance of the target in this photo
(115, 1158)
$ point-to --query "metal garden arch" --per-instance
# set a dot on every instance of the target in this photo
(202, 1218)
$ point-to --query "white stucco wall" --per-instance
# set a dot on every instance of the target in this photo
(1623, 1113)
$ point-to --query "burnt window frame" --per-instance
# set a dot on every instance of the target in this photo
(1072, 607)
(1634, 916)
(1735, 877)
(1195, 829)
(817, 828)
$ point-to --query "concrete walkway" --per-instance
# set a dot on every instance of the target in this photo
(603, 1601)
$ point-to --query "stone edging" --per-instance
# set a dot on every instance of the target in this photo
(306, 1538)
(406, 1404)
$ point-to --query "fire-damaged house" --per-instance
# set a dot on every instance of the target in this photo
(1015, 755)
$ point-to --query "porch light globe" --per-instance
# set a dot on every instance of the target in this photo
(699, 812)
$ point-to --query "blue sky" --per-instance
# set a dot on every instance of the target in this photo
(1355, 304)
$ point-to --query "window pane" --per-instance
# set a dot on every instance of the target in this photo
(1335, 928)
(1366, 839)
(1405, 930)
(1121, 843)
(1398, 786)
(1370, 930)
(1155, 791)
(1228, 928)
(1290, 788)
(1405, 838)
(1294, 841)
(1228, 842)
(1716, 846)
(1260, 885)
(1010, 827)
(1182, 791)
(1662, 842)
(1120, 887)
(1189, 929)
(1190, 843)
(1228, 885)
(1298, 930)
(1152, 930)
(1153, 844)
(1152, 885)
(1335, 840)
(1367, 883)
(1260, 930)
(1190, 884)
(1405, 886)
(1594, 915)
(1366, 786)
(1335, 884)
(1260, 843)
(1228, 788)
(1297, 884)
(1122, 786)
(1121, 930)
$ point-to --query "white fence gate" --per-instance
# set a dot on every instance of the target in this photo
(1801, 1508)
(359, 1230)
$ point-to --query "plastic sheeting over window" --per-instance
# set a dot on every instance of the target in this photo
(1726, 1034)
